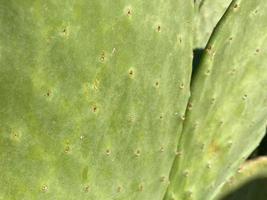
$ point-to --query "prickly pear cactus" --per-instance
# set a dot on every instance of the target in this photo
(94, 99)
(250, 182)
(92, 95)
(227, 112)
(207, 15)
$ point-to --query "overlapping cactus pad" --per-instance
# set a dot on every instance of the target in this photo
(92, 97)
(250, 181)
(97, 100)
(207, 15)
(227, 111)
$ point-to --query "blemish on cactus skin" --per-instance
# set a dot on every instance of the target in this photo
(230, 142)
(86, 188)
(95, 85)
(186, 173)
(108, 152)
(157, 84)
(131, 73)
(131, 118)
(245, 96)
(235, 7)
(207, 73)
(44, 188)
(189, 194)
(67, 149)
(94, 109)
(48, 93)
(159, 28)
(209, 165)
(128, 11)
(161, 149)
(119, 189)
(15, 136)
(162, 179)
(137, 153)
(233, 71)
(182, 117)
(102, 56)
(190, 106)
(178, 153)
(208, 49)
(141, 187)
(181, 86)
(257, 50)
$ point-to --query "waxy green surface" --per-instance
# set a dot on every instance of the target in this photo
(227, 112)
(91, 97)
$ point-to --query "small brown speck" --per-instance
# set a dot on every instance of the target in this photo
(178, 153)
(137, 153)
(94, 109)
(141, 187)
(162, 179)
(119, 189)
(189, 106)
(208, 48)
(108, 152)
(129, 12)
(87, 188)
(181, 86)
(67, 149)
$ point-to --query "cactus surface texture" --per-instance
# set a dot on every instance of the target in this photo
(92, 94)
(207, 15)
(227, 104)
(98, 100)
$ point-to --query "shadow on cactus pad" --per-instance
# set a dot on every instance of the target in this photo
(255, 189)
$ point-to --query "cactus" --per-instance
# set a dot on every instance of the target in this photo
(227, 104)
(207, 15)
(251, 178)
(89, 97)
(95, 99)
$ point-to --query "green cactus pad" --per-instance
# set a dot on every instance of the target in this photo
(92, 95)
(208, 13)
(227, 111)
(250, 182)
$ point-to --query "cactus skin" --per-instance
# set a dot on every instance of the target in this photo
(227, 111)
(207, 15)
(91, 97)
(252, 175)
